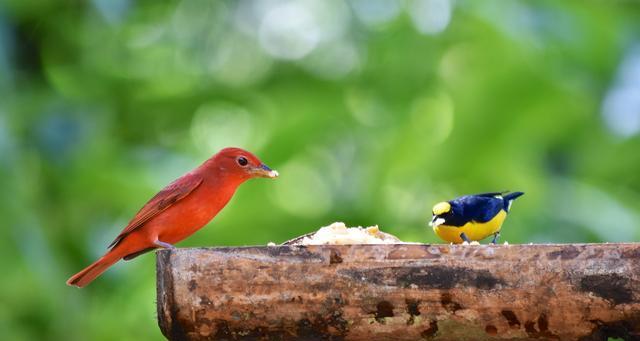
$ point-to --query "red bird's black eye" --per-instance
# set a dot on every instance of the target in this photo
(242, 161)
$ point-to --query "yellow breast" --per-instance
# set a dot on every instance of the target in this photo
(473, 230)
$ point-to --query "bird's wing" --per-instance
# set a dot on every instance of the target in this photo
(491, 194)
(168, 196)
(479, 208)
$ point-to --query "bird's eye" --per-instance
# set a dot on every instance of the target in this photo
(242, 161)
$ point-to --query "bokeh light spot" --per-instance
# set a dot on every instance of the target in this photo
(333, 61)
(289, 31)
(621, 106)
(374, 13)
(113, 11)
(217, 125)
(292, 29)
(430, 16)
(194, 20)
(238, 61)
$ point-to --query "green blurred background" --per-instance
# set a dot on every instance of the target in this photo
(372, 111)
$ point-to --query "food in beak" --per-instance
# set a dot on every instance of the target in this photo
(266, 172)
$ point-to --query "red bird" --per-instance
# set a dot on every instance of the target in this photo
(180, 209)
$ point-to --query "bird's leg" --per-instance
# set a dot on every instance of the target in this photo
(163, 245)
(465, 238)
(495, 237)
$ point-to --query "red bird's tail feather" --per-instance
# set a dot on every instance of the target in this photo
(88, 274)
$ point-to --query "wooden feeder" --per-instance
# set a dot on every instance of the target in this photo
(401, 292)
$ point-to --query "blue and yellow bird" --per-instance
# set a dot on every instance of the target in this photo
(472, 217)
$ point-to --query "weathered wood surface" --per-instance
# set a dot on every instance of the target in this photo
(401, 292)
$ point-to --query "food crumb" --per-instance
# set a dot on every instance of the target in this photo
(339, 234)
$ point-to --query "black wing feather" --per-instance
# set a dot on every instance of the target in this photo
(478, 208)
(490, 194)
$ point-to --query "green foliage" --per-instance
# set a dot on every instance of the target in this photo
(372, 111)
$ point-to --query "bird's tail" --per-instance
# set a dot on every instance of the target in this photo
(88, 274)
(509, 198)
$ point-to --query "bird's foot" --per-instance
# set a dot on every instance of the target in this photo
(164, 245)
(465, 238)
(495, 238)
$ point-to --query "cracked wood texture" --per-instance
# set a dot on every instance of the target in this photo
(401, 292)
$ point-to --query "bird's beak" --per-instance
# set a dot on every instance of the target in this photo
(436, 221)
(264, 171)
(432, 220)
